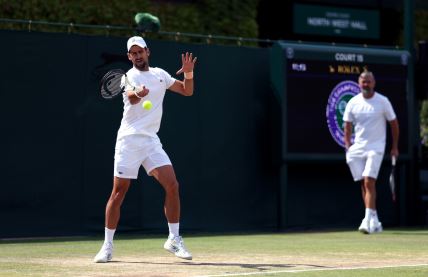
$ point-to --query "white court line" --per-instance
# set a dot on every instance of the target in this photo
(311, 269)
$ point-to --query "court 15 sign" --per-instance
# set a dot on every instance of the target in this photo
(330, 21)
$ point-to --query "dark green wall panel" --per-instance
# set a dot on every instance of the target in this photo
(59, 137)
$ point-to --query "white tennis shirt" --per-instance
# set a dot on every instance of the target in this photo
(369, 118)
(136, 119)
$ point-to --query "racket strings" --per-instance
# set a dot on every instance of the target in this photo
(111, 84)
(114, 83)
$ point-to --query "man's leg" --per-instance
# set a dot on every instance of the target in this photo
(363, 192)
(371, 171)
(165, 175)
(370, 203)
(369, 188)
(364, 226)
(356, 164)
(112, 215)
(120, 188)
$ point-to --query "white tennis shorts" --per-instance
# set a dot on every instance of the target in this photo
(364, 163)
(135, 150)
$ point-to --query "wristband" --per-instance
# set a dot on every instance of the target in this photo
(188, 75)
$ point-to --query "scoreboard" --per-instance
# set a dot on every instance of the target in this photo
(314, 83)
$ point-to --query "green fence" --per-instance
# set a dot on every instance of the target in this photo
(225, 144)
(59, 137)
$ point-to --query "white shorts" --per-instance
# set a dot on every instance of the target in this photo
(364, 164)
(135, 150)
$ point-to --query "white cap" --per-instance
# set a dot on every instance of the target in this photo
(136, 41)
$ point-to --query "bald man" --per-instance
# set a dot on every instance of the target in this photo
(368, 113)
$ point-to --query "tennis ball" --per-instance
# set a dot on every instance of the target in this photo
(147, 104)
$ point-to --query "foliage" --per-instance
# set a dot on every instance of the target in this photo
(217, 17)
(233, 17)
(424, 122)
(421, 33)
(420, 29)
(421, 25)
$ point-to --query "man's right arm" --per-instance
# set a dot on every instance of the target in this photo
(348, 134)
(395, 132)
(135, 96)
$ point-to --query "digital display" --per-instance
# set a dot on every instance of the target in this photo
(317, 91)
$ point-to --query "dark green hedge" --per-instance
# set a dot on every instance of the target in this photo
(215, 17)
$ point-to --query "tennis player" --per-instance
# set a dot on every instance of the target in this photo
(368, 113)
(138, 144)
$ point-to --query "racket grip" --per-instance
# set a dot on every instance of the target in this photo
(136, 93)
(393, 160)
(137, 90)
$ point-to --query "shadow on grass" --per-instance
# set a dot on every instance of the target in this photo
(257, 266)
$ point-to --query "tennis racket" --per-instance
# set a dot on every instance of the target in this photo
(112, 85)
(392, 178)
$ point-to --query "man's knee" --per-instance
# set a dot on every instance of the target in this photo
(369, 183)
(171, 186)
(120, 189)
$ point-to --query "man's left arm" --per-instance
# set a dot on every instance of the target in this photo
(185, 87)
(395, 132)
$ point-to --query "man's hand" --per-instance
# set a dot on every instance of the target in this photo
(395, 152)
(347, 147)
(142, 91)
(188, 63)
(135, 96)
(348, 133)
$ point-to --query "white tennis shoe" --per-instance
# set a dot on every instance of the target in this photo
(176, 246)
(375, 226)
(105, 254)
(365, 226)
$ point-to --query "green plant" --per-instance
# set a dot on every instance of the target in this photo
(231, 18)
(424, 122)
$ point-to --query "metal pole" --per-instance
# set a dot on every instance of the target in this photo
(409, 24)
(408, 208)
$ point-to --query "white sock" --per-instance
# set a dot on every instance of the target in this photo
(368, 214)
(373, 214)
(109, 234)
(174, 229)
